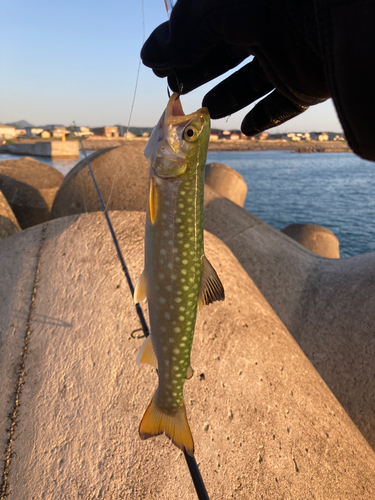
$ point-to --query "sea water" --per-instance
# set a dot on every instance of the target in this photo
(334, 190)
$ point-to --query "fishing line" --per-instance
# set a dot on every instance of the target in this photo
(132, 105)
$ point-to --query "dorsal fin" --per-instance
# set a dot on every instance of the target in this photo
(146, 355)
(211, 288)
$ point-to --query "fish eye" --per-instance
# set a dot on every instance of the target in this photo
(191, 133)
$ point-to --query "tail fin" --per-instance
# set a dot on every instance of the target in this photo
(175, 426)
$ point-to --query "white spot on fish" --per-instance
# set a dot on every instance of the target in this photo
(167, 315)
(177, 299)
(176, 351)
(177, 329)
(181, 318)
(162, 251)
(186, 288)
(162, 300)
(171, 340)
(185, 261)
(176, 368)
(169, 288)
(161, 276)
(166, 233)
(182, 309)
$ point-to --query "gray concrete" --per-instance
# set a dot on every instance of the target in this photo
(30, 188)
(328, 305)
(55, 149)
(227, 182)
(265, 424)
(18, 261)
(318, 239)
(121, 174)
(8, 222)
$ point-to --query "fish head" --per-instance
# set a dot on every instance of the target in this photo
(178, 144)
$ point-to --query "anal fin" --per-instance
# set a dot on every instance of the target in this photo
(146, 354)
(211, 288)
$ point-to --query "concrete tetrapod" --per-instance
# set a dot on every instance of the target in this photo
(30, 188)
(265, 424)
(122, 177)
(227, 182)
(8, 222)
(328, 305)
(318, 239)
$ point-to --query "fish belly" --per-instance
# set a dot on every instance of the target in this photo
(173, 265)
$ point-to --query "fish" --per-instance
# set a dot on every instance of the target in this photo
(177, 279)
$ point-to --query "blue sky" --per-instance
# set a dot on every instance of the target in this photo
(77, 61)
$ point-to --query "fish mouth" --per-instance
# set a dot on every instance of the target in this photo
(174, 107)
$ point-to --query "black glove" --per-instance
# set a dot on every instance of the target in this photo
(205, 38)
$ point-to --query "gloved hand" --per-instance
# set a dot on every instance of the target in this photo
(205, 38)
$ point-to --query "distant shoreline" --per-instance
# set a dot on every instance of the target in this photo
(229, 145)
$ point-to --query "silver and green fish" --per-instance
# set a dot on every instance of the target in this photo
(177, 278)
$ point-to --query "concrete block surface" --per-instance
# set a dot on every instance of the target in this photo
(318, 239)
(328, 305)
(30, 188)
(264, 422)
(227, 182)
(8, 222)
(122, 177)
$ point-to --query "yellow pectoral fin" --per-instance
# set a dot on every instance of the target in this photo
(152, 204)
(175, 426)
(146, 355)
(140, 291)
(211, 288)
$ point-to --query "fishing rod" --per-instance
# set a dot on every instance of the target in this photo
(190, 460)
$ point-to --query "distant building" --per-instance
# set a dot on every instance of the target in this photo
(57, 131)
(129, 136)
(81, 131)
(234, 136)
(323, 137)
(20, 132)
(106, 131)
(45, 134)
(7, 132)
(33, 131)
